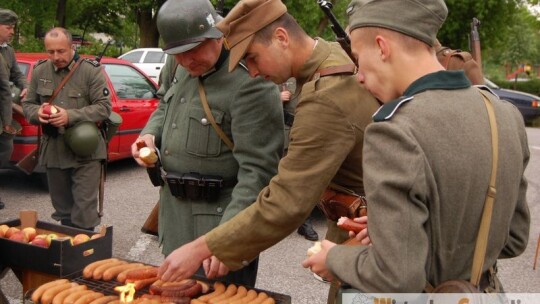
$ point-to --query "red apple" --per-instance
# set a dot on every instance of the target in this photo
(49, 109)
(10, 231)
(30, 233)
(19, 236)
(80, 238)
(42, 242)
(3, 229)
(51, 237)
(95, 236)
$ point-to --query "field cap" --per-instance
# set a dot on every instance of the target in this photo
(184, 24)
(420, 19)
(7, 17)
(245, 19)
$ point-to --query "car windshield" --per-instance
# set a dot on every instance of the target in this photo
(128, 83)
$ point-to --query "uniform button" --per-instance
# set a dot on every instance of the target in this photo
(204, 121)
(219, 209)
(166, 152)
(175, 80)
(245, 263)
(182, 100)
(173, 126)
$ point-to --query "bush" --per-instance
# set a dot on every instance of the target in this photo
(532, 86)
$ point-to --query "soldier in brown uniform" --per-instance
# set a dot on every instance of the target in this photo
(73, 177)
(427, 161)
(325, 139)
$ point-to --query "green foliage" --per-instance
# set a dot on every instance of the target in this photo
(532, 86)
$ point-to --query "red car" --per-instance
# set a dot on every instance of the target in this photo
(133, 96)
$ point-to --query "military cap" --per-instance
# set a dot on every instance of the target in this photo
(420, 19)
(7, 17)
(245, 19)
(184, 24)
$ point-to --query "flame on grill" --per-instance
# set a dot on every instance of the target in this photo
(127, 292)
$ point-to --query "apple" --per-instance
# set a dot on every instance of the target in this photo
(50, 237)
(19, 236)
(80, 238)
(3, 229)
(41, 236)
(30, 233)
(10, 231)
(49, 109)
(95, 236)
(42, 242)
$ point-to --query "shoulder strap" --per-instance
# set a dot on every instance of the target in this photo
(63, 82)
(210, 117)
(485, 223)
(337, 70)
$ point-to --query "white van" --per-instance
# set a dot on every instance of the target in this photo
(149, 60)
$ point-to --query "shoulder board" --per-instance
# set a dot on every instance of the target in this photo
(485, 88)
(92, 61)
(387, 111)
(40, 62)
(243, 65)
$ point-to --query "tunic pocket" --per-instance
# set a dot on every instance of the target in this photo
(44, 94)
(202, 139)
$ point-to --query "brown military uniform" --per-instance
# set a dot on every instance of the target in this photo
(325, 146)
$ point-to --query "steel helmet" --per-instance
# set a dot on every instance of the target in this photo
(184, 24)
(82, 138)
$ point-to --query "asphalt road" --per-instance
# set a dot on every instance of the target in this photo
(129, 197)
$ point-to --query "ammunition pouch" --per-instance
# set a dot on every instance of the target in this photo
(335, 204)
(288, 118)
(195, 186)
(154, 173)
(49, 130)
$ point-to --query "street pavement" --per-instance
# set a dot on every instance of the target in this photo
(129, 197)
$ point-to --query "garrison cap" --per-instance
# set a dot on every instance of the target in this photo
(184, 24)
(245, 19)
(8, 17)
(420, 19)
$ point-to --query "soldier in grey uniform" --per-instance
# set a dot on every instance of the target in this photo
(71, 147)
(12, 76)
(326, 138)
(427, 161)
(207, 182)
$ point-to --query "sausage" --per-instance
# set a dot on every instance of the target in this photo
(87, 298)
(176, 300)
(250, 296)
(157, 289)
(121, 277)
(49, 294)
(229, 292)
(269, 300)
(36, 295)
(260, 297)
(348, 224)
(240, 293)
(205, 287)
(219, 288)
(191, 291)
(105, 300)
(140, 284)
(196, 301)
(98, 272)
(89, 269)
(59, 298)
(140, 274)
(114, 271)
(73, 297)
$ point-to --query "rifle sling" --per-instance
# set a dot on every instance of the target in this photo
(63, 82)
(210, 117)
(346, 69)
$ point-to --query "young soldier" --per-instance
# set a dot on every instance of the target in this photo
(325, 141)
(427, 161)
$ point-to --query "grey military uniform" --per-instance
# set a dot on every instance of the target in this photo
(86, 98)
(5, 97)
(249, 111)
(428, 156)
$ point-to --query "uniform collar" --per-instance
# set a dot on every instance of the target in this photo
(320, 53)
(219, 63)
(5, 44)
(70, 66)
(442, 80)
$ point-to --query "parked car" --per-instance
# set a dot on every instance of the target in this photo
(149, 60)
(528, 104)
(133, 97)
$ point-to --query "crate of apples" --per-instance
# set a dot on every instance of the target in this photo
(30, 235)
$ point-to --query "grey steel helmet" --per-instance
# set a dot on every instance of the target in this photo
(82, 138)
(184, 24)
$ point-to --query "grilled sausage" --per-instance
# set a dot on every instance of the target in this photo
(348, 224)
(250, 296)
(141, 274)
(114, 271)
(73, 297)
(50, 293)
(87, 298)
(121, 277)
(259, 299)
(229, 292)
(36, 295)
(191, 291)
(98, 272)
(219, 288)
(140, 284)
(59, 298)
(89, 269)
(105, 300)
(240, 293)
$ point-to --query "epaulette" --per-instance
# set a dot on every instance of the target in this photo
(40, 62)
(387, 111)
(485, 88)
(92, 62)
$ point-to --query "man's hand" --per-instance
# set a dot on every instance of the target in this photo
(184, 261)
(317, 262)
(363, 235)
(148, 140)
(213, 268)
(285, 96)
(60, 118)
